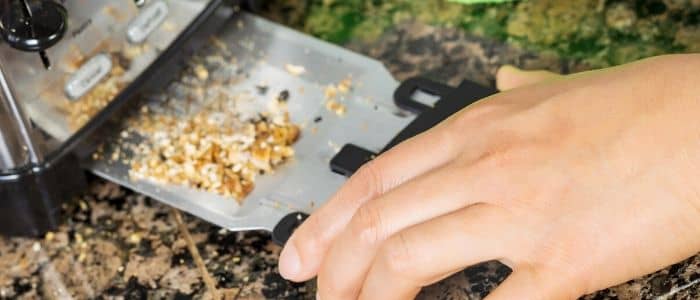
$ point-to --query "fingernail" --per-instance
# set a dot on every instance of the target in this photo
(290, 262)
(318, 296)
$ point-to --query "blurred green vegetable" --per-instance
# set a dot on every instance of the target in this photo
(479, 1)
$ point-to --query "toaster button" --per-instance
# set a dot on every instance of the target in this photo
(88, 75)
(146, 22)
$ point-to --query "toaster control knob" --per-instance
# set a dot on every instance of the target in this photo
(33, 25)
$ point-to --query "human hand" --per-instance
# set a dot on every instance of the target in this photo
(577, 183)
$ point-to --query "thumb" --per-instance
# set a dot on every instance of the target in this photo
(509, 77)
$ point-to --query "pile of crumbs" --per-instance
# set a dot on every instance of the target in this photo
(205, 136)
(333, 91)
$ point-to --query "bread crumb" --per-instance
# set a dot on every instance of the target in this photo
(336, 107)
(295, 70)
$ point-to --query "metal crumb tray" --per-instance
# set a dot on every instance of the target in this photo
(262, 49)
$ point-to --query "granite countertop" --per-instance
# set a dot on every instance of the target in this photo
(117, 244)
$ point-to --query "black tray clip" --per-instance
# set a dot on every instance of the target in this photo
(404, 96)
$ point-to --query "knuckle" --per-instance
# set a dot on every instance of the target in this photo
(455, 129)
(555, 127)
(369, 179)
(498, 157)
(397, 256)
(366, 226)
(455, 132)
(476, 113)
(561, 256)
(445, 136)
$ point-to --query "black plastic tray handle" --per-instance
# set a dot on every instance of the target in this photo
(403, 96)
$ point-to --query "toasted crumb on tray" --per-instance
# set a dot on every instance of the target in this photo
(202, 135)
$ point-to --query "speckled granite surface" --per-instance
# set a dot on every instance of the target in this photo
(115, 244)
(599, 32)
